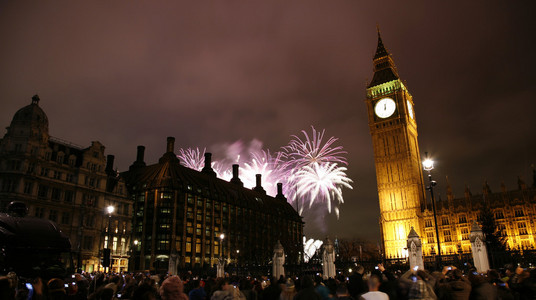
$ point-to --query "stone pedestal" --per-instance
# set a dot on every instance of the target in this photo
(278, 261)
(415, 250)
(328, 259)
(478, 247)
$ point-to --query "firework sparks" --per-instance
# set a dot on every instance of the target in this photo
(192, 158)
(322, 182)
(310, 150)
(269, 166)
(310, 247)
(307, 167)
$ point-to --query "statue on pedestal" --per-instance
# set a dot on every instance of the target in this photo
(278, 261)
(328, 259)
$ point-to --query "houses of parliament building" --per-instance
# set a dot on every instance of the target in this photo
(401, 190)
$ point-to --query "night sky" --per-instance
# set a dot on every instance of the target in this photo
(128, 73)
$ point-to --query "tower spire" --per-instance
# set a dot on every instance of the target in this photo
(380, 49)
(384, 66)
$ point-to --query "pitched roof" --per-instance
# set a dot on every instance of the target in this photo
(168, 173)
(384, 66)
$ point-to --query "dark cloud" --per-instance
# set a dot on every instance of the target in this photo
(214, 73)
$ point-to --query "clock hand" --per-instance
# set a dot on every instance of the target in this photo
(385, 106)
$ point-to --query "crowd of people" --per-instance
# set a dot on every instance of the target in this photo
(512, 282)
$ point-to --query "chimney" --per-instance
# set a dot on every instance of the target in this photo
(109, 164)
(236, 179)
(139, 159)
(258, 187)
(207, 169)
(280, 192)
(35, 99)
(170, 144)
(140, 154)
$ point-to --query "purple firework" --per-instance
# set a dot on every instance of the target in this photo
(307, 167)
(303, 152)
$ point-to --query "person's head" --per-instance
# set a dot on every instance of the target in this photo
(533, 273)
(510, 269)
(439, 276)
(360, 269)
(196, 283)
(144, 292)
(107, 294)
(289, 286)
(245, 284)
(56, 285)
(342, 291)
(171, 288)
(306, 282)
(114, 279)
(318, 280)
(223, 284)
(457, 274)
(373, 283)
(493, 275)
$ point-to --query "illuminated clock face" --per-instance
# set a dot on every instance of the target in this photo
(385, 108)
(410, 109)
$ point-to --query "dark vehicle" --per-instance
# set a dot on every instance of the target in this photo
(32, 247)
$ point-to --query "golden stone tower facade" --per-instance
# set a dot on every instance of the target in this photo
(393, 128)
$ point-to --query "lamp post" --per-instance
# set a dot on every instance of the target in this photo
(222, 236)
(132, 256)
(109, 209)
(237, 265)
(221, 264)
(428, 165)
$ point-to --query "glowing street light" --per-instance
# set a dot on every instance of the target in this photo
(222, 236)
(428, 165)
(107, 261)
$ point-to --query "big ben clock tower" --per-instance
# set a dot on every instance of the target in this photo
(393, 128)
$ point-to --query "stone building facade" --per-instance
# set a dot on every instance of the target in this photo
(68, 184)
(514, 211)
(181, 215)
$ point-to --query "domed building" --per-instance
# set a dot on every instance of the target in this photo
(67, 184)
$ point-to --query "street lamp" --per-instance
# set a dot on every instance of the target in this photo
(107, 251)
(222, 236)
(428, 165)
(237, 265)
